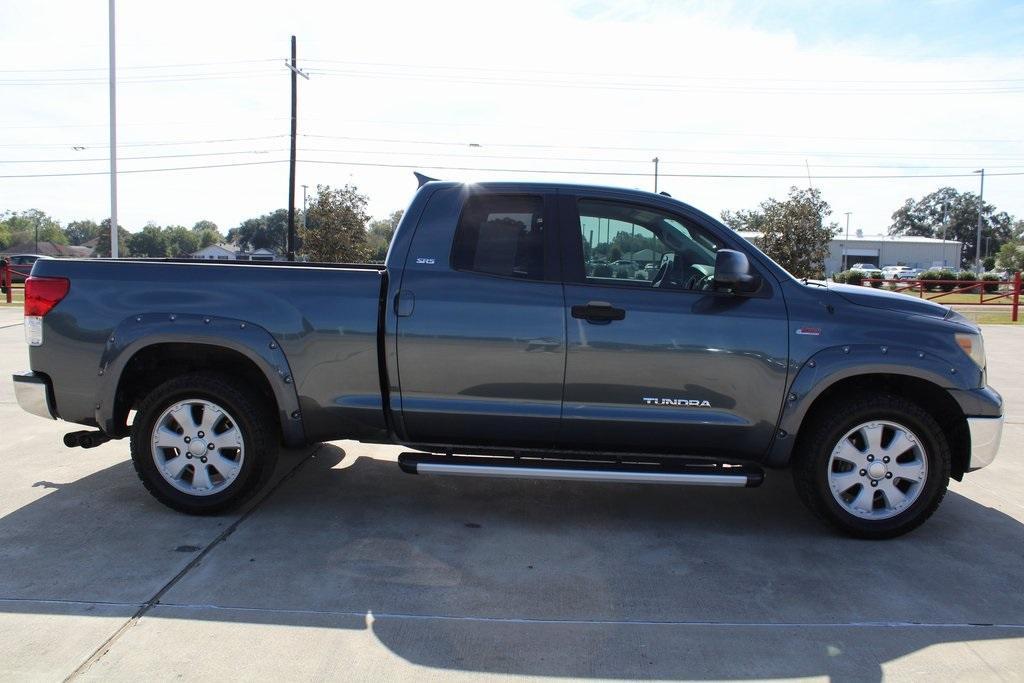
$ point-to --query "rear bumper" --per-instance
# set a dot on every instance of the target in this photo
(985, 435)
(34, 394)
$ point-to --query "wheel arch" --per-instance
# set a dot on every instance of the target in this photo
(833, 373)
(147, 349)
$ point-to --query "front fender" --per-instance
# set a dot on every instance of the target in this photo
(836, 363)
(252, 341)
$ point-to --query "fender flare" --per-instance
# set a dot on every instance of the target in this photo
(142, 330)
(828, 366)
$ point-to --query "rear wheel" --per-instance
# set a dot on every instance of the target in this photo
(201, 445)
(874, 466)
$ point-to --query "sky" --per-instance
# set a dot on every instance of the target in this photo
(738, 100)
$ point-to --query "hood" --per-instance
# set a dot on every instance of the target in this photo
(879, 298)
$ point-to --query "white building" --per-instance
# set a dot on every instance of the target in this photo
(892, 250)
(227, 252)
(220, 252)
(886, 250)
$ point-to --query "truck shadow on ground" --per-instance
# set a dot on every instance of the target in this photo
(534, 578)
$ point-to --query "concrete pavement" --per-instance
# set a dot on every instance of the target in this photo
(346, 568)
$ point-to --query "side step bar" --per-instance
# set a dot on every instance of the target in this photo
(706, 475)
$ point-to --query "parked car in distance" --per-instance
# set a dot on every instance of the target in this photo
(485, 347)
(865, 268)
(21, 265)
(909, 274)
(893, 272)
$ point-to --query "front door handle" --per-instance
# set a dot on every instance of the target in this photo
(599, 312)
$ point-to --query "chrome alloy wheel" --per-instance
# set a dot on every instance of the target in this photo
(877, 470)
(197, 447)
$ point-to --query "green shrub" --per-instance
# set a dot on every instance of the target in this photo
(839, 277)
(991, 282)
(947, 275)
(602, 270)
(853, 277)
(876, 275)
(928, 275)
(966, 276)
(622, 273)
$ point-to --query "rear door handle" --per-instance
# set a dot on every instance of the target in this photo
(600, 312)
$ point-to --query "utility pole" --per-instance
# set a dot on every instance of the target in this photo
(113, 137)
(37, 234)
(846, 244)
(655, 160)
(291, 160)
(981, 207)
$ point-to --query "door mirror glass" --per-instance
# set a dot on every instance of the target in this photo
(733, 272)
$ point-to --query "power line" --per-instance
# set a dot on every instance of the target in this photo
(716, 78)
(172, 143)
(153, 156)
(518, 170)
(667, 162)
(145, 170)
(624, 86)
(137, 67)
(174, 78)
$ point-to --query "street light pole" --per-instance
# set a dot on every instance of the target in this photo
(655, 160)
(846, 244)
(304, 224)
(113, 137)
(981, 207)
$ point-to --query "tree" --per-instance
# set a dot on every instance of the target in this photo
(103, 244)
(743, 221)
(1011, 256)
(336, 225)
(181, 242)
(379, 235)
(207, 233)
(150, 241)
(80, 232)
(204, 225)
(269, 231)
(793, 232)
(952, 215)
(21, 227)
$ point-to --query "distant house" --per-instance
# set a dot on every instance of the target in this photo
(49, 249)
(218, 252)
(229, 252)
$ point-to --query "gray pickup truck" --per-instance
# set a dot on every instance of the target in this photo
(521, 330)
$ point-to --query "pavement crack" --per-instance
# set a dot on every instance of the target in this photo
(155, 599)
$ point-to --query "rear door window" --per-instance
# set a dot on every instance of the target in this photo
(501, 235)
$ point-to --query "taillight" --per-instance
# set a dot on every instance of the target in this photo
(43, 293)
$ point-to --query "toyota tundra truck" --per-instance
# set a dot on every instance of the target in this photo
(500, 338)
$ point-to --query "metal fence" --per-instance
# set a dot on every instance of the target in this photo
(989, 292)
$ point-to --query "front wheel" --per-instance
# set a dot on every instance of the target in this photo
(874, 466)
(201, 445)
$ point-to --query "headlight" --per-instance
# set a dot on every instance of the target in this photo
(973, 346)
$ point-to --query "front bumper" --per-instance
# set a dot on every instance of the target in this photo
(34, 394)
(985, 435)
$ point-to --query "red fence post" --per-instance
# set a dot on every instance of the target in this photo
(5, 279)
(1016, 296)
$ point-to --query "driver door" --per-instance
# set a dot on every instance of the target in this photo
(656, 360)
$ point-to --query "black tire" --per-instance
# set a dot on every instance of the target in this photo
(252, 417)
(817, 440)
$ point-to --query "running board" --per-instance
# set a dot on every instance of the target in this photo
(690, 474)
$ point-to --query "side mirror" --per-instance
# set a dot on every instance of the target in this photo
(733, 272)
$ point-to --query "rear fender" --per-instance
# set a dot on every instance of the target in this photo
(255, 343)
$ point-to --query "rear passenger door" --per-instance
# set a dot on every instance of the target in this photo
(481, 330)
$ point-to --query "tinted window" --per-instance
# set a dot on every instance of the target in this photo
(643, 247)
(501, 235)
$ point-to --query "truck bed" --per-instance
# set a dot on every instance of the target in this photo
(324, 317)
